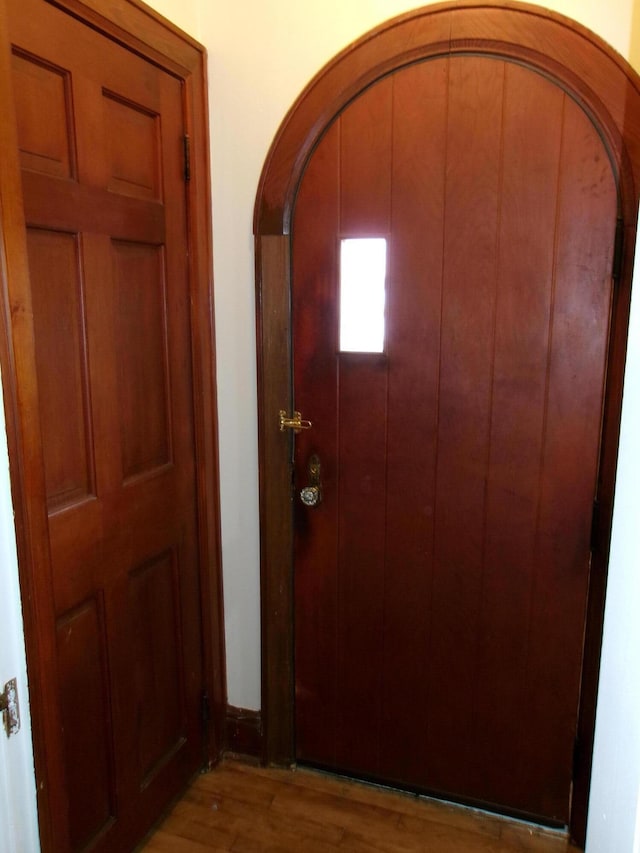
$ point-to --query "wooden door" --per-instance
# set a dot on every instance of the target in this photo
(100, 134)
(441, 584)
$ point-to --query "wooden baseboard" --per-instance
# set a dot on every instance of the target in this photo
(243, 732)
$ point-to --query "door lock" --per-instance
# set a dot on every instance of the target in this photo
(10, 708)
(295, 423)
(311, 495)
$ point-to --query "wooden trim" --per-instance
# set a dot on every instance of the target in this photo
(608, 89)
(576, 59)
(140, 29)
(205, 398)
(243, 732)
(276, 523)
(602, 541)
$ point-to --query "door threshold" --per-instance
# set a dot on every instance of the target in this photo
(485, 811)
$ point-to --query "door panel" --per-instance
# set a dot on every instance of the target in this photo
(43, 110)
(82, 664)
(100, 134)
(62, 365)
(141, 336)
(440, 586)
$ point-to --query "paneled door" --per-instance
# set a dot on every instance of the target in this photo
(442, 556)
(100, 133)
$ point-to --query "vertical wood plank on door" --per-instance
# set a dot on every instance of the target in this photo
(529, 199)
(362, 404)
(365, 210)
(413, 319)
(473, 186)
(579, 332)
(315, 335)
(365, 163)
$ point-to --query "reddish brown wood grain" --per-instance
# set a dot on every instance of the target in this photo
(248, 807)
(316, 637)
(275, 509)
(573, 421)
(549, 41)
(365, 164)
(161, 380)
(467, 317)
(360, 563)
(523, 306)
(513, 314)
(590, 73)
(131, 317)
(27, 469)
(419, 147)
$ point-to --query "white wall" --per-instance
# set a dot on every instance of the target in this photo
(261, 55)
(614, 814)
(18, 818)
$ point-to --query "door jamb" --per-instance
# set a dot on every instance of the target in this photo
(139, 28)
(608, 89)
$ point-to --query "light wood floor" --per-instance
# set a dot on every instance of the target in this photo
(242, 808)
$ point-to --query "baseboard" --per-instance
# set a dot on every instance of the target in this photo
(243, 732)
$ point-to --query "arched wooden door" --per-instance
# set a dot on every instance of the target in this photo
(447, 593)
(441, 582)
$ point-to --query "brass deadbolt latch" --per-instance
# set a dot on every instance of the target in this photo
(295, 423)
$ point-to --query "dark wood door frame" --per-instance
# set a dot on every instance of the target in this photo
(141, 30)
(608, 90)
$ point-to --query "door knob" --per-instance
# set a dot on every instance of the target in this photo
(311, 495)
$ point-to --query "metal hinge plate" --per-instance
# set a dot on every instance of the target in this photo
(618, 250)
(10, 708)
(187, 157)
(205, 709)
(595, 526)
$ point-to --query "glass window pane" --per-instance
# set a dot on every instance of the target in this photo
(363, 265)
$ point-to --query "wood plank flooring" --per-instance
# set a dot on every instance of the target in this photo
(243, 808)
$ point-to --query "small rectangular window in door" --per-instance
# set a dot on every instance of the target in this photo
(363, 265)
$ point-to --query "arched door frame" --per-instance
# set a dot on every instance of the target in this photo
(608, 90)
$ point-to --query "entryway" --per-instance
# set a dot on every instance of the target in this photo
(436, 560)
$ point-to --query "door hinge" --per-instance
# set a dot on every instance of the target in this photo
(575, 758)
(187, 157)
(618, 250)
(595, 520)
(205, 709)
(10, 708)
